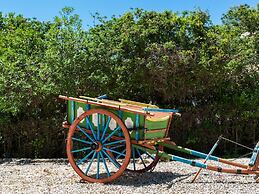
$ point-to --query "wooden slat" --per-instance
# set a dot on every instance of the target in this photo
(155, 131)
(149, 141)
(138, 103)
(106, 105)
(90, 98)
(112, 102)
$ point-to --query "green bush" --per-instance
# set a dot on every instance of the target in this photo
(209, 72)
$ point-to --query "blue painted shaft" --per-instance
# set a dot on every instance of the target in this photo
(173, 157)
(202, 155)
(160, 110)
(188, 151)
(212, 150)
(187, 161)
(207, 157)
(254, 155)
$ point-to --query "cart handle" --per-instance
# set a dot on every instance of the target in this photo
(175, 111)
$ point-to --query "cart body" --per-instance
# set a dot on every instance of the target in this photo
(140, 126)
(107, 137)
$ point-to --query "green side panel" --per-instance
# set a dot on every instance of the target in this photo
(128, 118)
(74, 109)
(80, 108)
(69, 111)
(156, 124)
(140, 134)
(160, 134)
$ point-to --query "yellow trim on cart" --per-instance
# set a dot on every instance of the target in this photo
(157, 119)
(138, 103)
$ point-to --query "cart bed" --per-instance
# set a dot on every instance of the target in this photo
(141, 125)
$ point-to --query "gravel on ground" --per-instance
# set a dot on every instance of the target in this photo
(57, 176)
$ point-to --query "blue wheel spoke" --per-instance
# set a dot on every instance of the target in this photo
(106, 127)
(110, 158)
(150, 155)
(98, 166)
(105, 165)
(114, 142)
(85, 133)
(80, 150)
(90, 164)
(114, 151)
(103, 122)
(91, 126)
(115, 147)
(111, 134)
(83, 159)
(98, 126)
(80, 140)
(141, 158)
(133, 155)
(117, 157)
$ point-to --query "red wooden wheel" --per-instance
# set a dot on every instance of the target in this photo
(100, 151)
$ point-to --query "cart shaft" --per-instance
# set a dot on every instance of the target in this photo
(201, 155)
(198, 164)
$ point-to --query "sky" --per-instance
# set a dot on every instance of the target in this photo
(45, 10)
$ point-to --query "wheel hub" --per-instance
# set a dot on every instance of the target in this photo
(97, 146)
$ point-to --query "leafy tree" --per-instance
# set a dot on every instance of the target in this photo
(176, 60)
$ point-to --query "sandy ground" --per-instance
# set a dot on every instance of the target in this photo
(56, 176)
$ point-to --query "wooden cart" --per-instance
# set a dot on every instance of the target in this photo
(107, 137)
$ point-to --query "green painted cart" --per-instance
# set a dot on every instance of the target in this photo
(107, 137)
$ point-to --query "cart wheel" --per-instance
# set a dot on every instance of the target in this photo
(99, 152)
(142, 161)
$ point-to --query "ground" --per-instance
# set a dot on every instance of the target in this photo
(56, 176)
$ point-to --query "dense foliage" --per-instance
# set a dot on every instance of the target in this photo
(209, 72)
